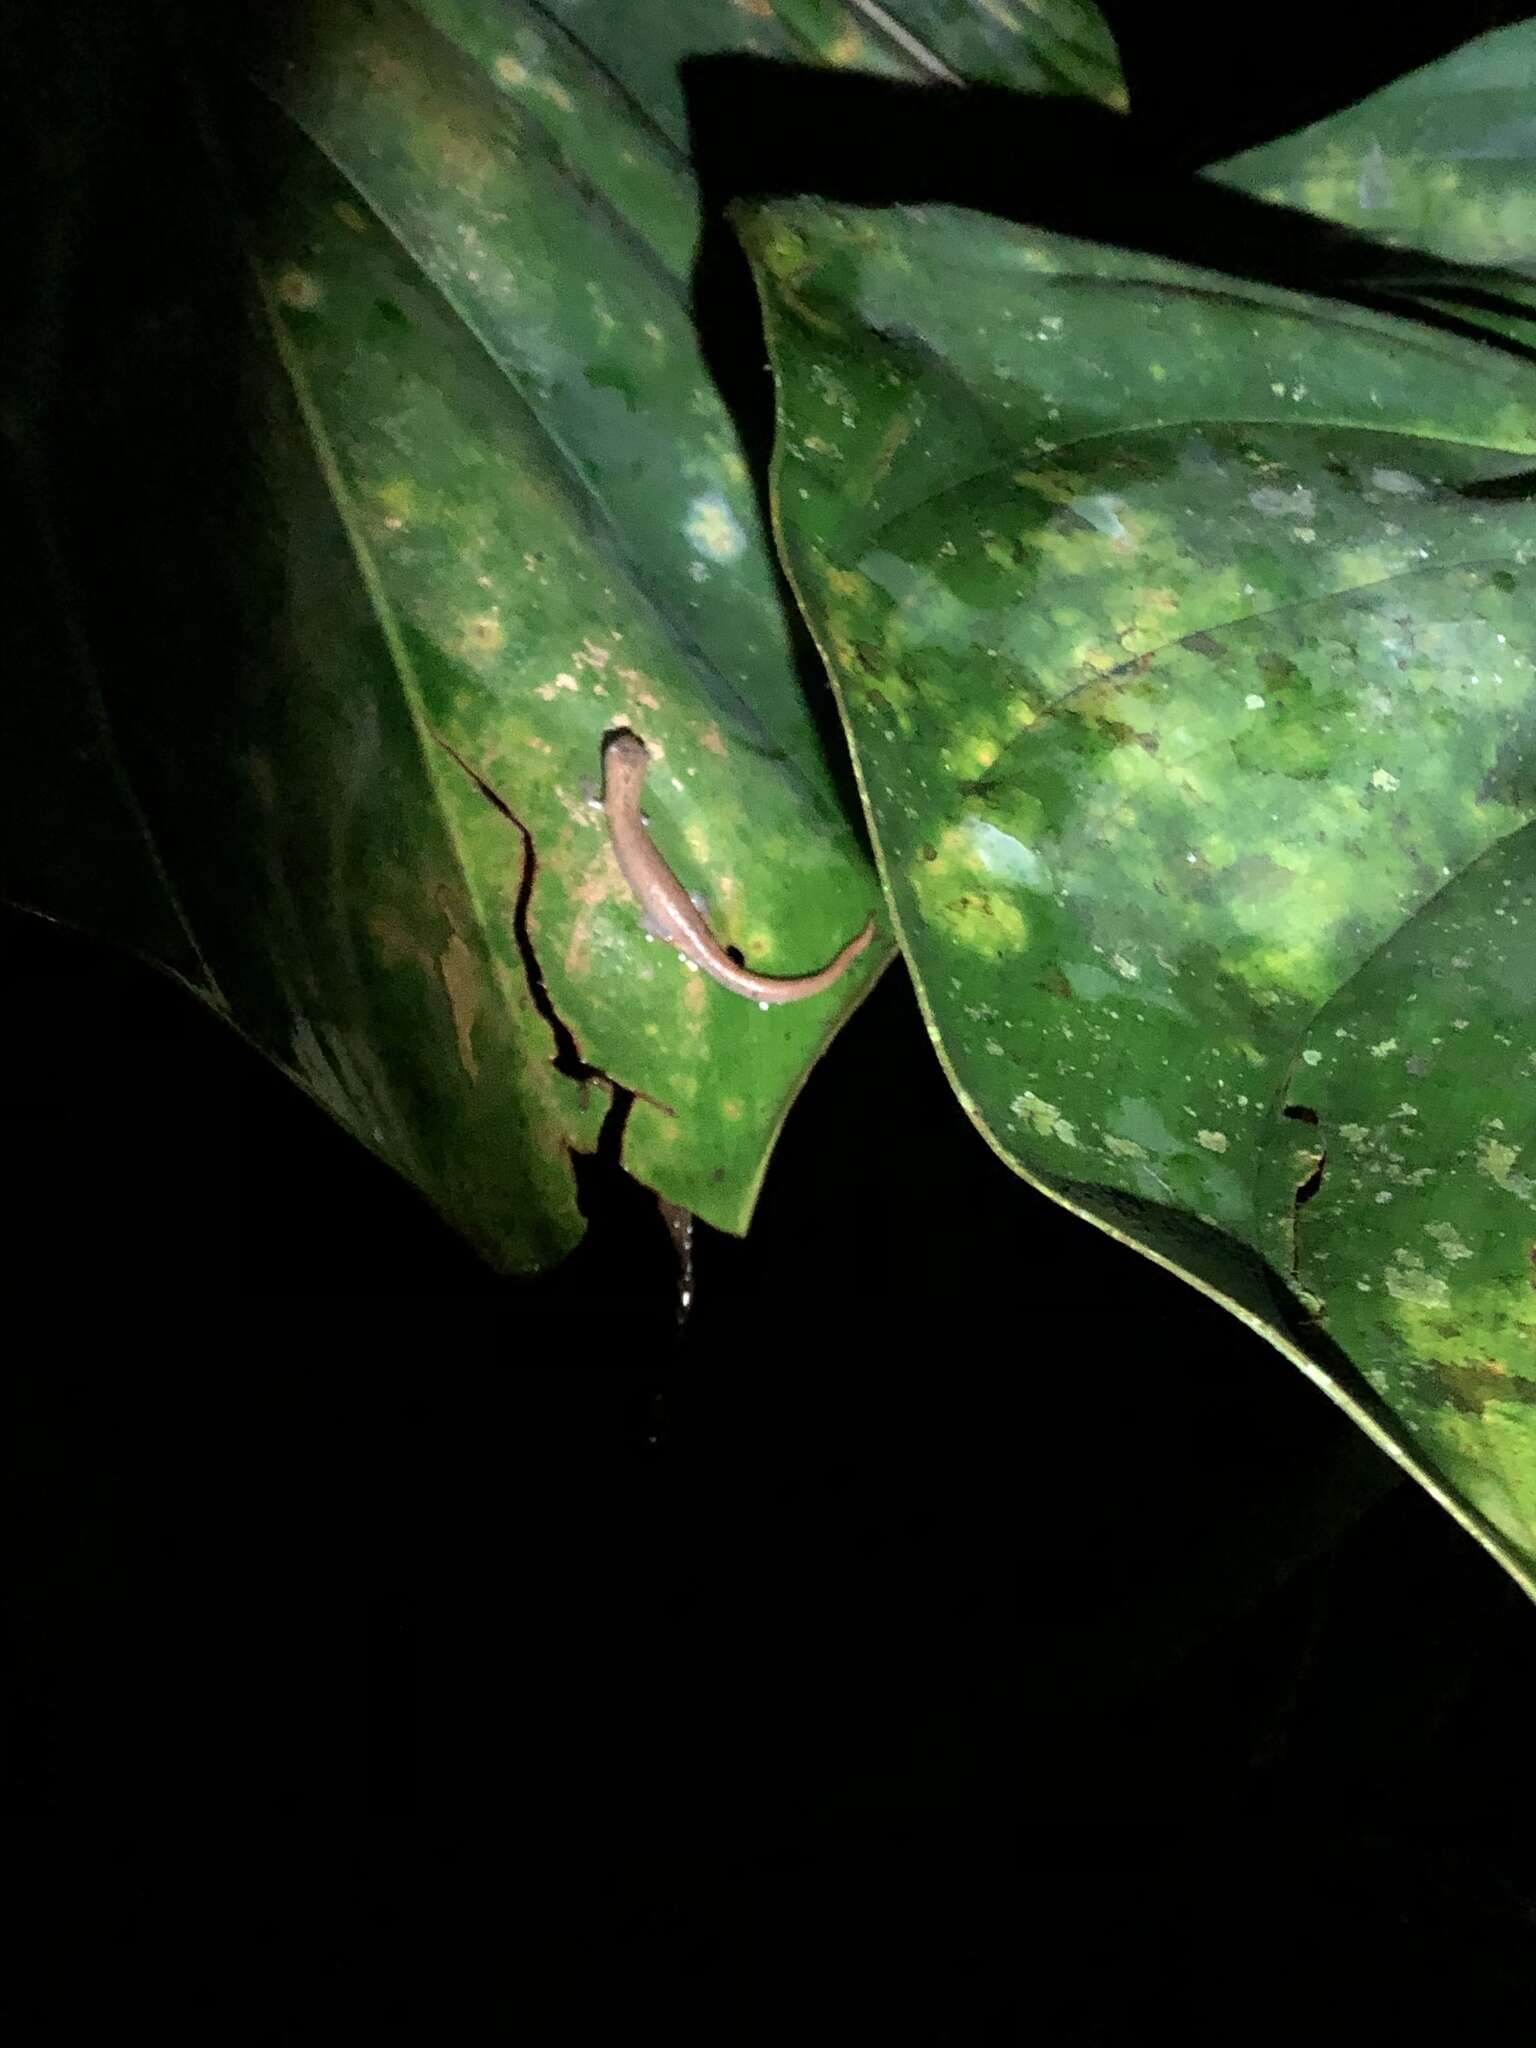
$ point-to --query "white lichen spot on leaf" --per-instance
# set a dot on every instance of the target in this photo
(713, 530)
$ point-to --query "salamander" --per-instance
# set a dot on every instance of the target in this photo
(670, 911)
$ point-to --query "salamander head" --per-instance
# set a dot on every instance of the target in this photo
(625, 760)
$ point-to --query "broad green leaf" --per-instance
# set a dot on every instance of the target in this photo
(1439, 160)
(557, 81)
(549, 500)
(1040, 46)
(500, 508)
(1438, 163)
(1036, 46)
(1189, 676)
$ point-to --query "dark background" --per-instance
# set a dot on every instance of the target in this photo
(960, 1614)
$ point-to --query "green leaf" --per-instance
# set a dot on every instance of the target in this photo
(1187, 661)
(550, 504)
(1044, 46)
(1438, 164)
(1439, 160)
(498, 508)
(1038, 46)
(493, 507)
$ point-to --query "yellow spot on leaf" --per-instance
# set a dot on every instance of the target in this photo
(961, 899)
(396, 503)
(297, 289)
(846, 582)
(483, 635)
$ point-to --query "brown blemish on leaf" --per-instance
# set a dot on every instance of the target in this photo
(593, 654)
(483, 635)
(395, 944)
(297, 289)
(589, 893)
(1471, 1387)
(455, 967)
(465, 158)
(890, 445)
(641, 685)
(460, 976)
(383, 67)
(1127, 735)
(1136, 667)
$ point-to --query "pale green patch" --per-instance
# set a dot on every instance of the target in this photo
(1449, 1241)
(1495, 1452)
(1043, 1117)
(1124, 1148)
(1497, 1161)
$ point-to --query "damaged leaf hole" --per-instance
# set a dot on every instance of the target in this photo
(567, 1057)
(1300, 1113)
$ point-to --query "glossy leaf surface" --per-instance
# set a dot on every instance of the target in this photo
(1439, 160)
(1184, 641)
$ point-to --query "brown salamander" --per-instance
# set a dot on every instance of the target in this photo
(670, 911)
